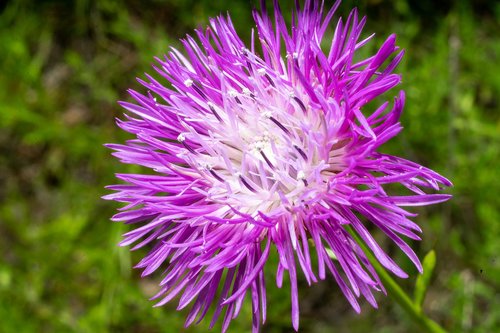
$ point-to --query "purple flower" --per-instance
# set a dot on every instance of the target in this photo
(267, 148)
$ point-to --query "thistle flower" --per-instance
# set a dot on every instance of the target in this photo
(267, 148)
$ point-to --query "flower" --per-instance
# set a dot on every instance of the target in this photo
(267, 148)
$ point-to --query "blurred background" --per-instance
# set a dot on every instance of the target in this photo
(63, 66)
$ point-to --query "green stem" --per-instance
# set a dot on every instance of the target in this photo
(395, 291)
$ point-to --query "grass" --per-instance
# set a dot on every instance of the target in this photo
(65, 64)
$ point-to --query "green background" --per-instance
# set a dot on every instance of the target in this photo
(63, 66)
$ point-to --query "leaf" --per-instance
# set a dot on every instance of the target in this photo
(424, 279)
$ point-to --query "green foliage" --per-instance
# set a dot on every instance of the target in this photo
(64, 64)
(423, 281)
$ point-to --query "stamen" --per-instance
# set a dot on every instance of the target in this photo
(302, 106)
(191, 150)
(261, 71)
(216, 176)
(198, 90)
(211, 107)
(234, 93)
(267, 114)
(246, 91)
(266, 159)
(270, 80)
(249, 66)
(182, 138)
(188, 83)
(246, 184)
(301, 152)
(283, 128)
(302, 176)
(244, 50)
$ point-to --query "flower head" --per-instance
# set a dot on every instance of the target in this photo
(267, 148)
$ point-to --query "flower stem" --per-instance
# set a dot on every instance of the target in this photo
(397, 293)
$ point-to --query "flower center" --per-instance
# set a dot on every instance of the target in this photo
(264, 151)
